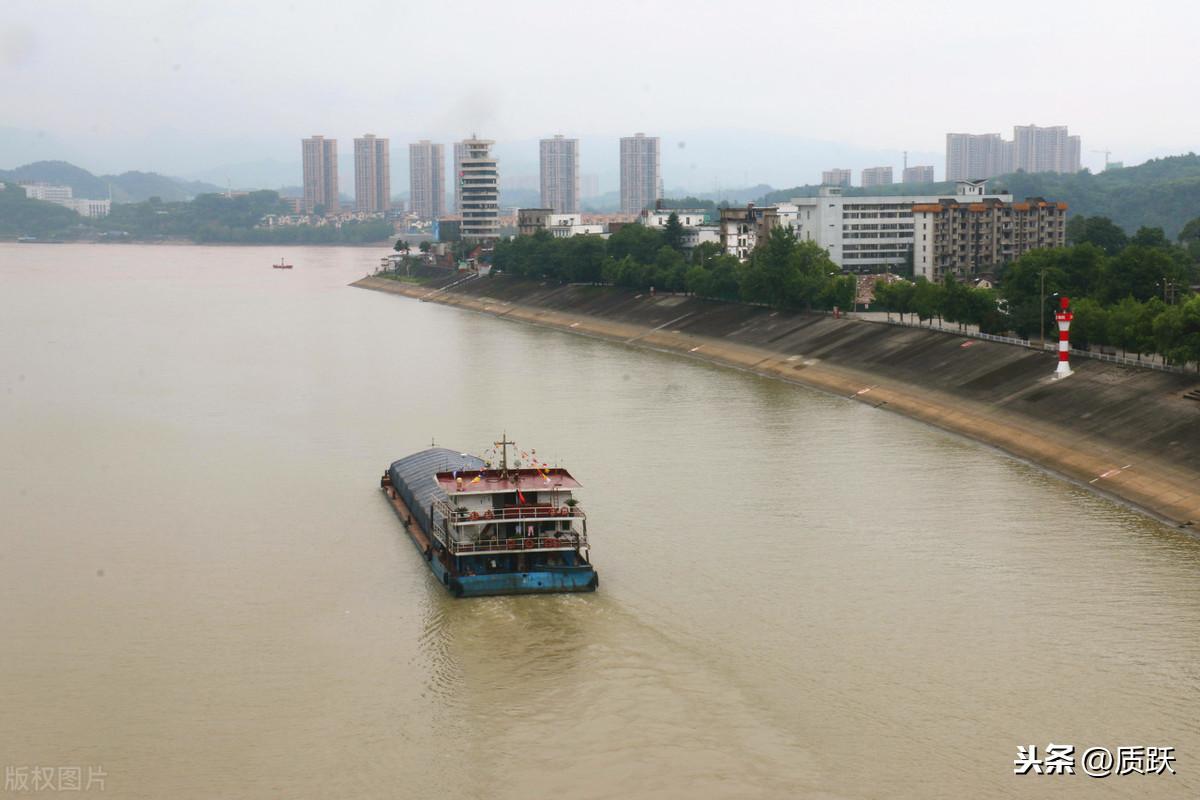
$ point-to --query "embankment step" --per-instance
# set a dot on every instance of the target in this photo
(1194, 394)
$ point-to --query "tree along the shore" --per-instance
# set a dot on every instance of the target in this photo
(1131, 293)
(782, 272)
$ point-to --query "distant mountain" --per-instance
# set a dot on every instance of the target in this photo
(128, 187)
(1161, 193)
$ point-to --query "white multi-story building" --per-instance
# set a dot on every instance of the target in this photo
(65, 196)
(48, 192)
(478, 188)
(696, 229)
(85, 207)
(657, 217)
(868, 234)
(560, 174)
(641, 172)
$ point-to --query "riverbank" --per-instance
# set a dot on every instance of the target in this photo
(1121, 431)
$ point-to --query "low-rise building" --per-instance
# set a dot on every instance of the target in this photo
(64, 196)
(688, 217)
(560, 226)
(743, 229)
(532, 220)
(967, 239)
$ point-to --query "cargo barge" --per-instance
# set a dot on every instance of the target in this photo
(490, 531)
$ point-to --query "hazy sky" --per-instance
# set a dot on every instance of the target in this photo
(179, 87)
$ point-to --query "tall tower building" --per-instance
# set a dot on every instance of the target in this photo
(876, 176)
(1045, 149)
(319, 156)
(918, 174)
(460, 151)
(372, 174)
(836, 177)
(427, 179)
(478, 188)
(560, 174)
(974, 156)
(641, 172)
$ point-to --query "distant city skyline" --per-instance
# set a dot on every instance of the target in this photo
(169, 61)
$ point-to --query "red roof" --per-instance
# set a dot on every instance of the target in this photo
(492, 480)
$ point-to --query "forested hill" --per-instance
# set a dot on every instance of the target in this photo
(1162, 193)
(128, 187)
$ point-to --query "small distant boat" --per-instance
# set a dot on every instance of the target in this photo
(282, 265)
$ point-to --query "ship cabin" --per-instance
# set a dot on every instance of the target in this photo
(510, 520)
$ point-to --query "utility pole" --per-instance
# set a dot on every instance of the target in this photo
(1042, 309)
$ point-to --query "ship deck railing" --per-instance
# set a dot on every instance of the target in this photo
(532, 512)
(547, 541)
(530, 544)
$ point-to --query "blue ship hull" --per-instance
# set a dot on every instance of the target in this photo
(546, 581)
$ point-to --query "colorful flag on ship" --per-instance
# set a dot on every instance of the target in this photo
(520, 497)
(475, 479)
(545, 477)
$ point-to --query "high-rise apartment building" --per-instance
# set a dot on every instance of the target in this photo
(560, 174)
(478, 188)
(876, 176)
(372, 174)
(1032, 149)
(459, 152)
(589, 186)
(836, 177)
(972, 156)
(319, 157)
(427, 179)
(918, 174)
(641, 172)
(1045, 149)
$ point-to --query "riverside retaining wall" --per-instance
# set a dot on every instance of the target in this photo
(1122, 431)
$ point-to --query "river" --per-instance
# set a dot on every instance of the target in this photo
(204, 594)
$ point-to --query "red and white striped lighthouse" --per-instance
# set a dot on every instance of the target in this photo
(1064, 317)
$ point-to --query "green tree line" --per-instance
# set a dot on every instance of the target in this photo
(1132, 293)
(207, 218)
(783, 272)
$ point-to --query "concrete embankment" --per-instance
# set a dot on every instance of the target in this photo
(1122, 431)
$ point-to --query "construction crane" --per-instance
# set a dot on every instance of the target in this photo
(1107, 153)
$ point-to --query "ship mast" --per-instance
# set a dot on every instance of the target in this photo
(503, 445)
